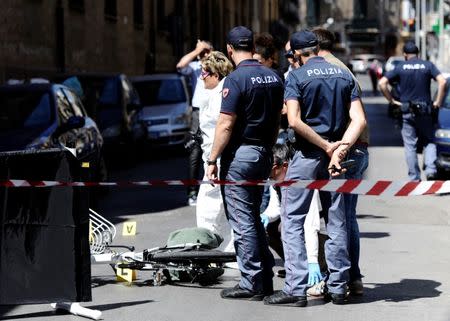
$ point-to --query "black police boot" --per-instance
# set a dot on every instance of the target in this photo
(431, 177)
(238, 293)
(281, 298)
(336, 298)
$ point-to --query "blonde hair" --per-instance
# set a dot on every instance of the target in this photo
(217, 63)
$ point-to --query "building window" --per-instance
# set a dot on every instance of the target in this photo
(111, 10)
(138, 14)
(77, 5)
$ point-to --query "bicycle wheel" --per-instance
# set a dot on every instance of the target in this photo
(194, 256)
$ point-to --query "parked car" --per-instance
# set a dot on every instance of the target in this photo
(41, 116)
(114, 104)
(442, 136)
(166, 112)
(360, 63)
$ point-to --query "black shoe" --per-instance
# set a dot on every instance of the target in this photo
(335, 298)
(241, 294)
(281, 273)
(281, 298)
(356, 287)
(431, 177)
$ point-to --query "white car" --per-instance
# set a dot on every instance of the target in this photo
(392, 62)
(166, 112)
(360, 63)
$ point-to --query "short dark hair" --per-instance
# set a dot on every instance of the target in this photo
(326, 38)
(281, 154)
(264, 45)
(410, 48)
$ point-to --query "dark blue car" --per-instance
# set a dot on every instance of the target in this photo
(442, 136)
(40, 116)
(113, 103)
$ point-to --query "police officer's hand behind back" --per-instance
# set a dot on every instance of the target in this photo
(334, 167)
(332, 146)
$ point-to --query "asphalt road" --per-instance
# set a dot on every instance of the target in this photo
(404, 249)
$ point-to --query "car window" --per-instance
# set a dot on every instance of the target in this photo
(160, 92)
(110, 93)
(130, 95)
(126, 90)
(75, 102)
(65, 110)
(25, 109)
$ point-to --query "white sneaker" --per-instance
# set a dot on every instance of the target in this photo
(317, 289)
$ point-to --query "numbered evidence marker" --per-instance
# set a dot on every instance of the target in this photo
(129, 228)
(125, 275)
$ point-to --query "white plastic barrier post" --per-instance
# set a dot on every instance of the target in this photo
(77, 309)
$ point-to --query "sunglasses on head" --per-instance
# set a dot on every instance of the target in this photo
(204, 74)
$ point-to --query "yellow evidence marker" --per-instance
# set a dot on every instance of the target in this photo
(129, 228)
(126, 275)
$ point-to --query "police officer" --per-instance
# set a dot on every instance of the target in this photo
(246, 131)
(321, 99)
(414, 77)
(359, 153)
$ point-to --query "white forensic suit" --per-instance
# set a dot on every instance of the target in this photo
(311, 226)
(210, 212)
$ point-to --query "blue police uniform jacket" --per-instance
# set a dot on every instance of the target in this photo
(414, 79)
(255, 94)
(325, 93)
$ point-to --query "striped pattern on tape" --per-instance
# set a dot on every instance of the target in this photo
(360, 187)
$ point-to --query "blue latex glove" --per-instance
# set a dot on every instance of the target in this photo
(264, 220)
(314, 275)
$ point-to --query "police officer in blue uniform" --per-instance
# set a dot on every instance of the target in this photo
(246, 131)
(321, 99)
(414, 77)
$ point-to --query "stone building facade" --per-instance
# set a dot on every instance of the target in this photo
(42, 37)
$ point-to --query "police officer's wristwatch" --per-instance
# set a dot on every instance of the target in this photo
(211, 162)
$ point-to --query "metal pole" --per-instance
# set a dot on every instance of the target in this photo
(418, 24)
(423, 33)
(441, 33)
(381, 24)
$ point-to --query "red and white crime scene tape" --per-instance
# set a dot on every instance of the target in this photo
(352, 186)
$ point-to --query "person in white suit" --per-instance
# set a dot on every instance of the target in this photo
(210, 212)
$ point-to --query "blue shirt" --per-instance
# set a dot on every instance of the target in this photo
(414, 79)
(193, 71)
(255, 94)
(325, 93)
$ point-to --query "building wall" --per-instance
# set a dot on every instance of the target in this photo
(27, 38)
(180, 23)
(93, 42)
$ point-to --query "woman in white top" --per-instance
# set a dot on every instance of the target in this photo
(210, 212)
